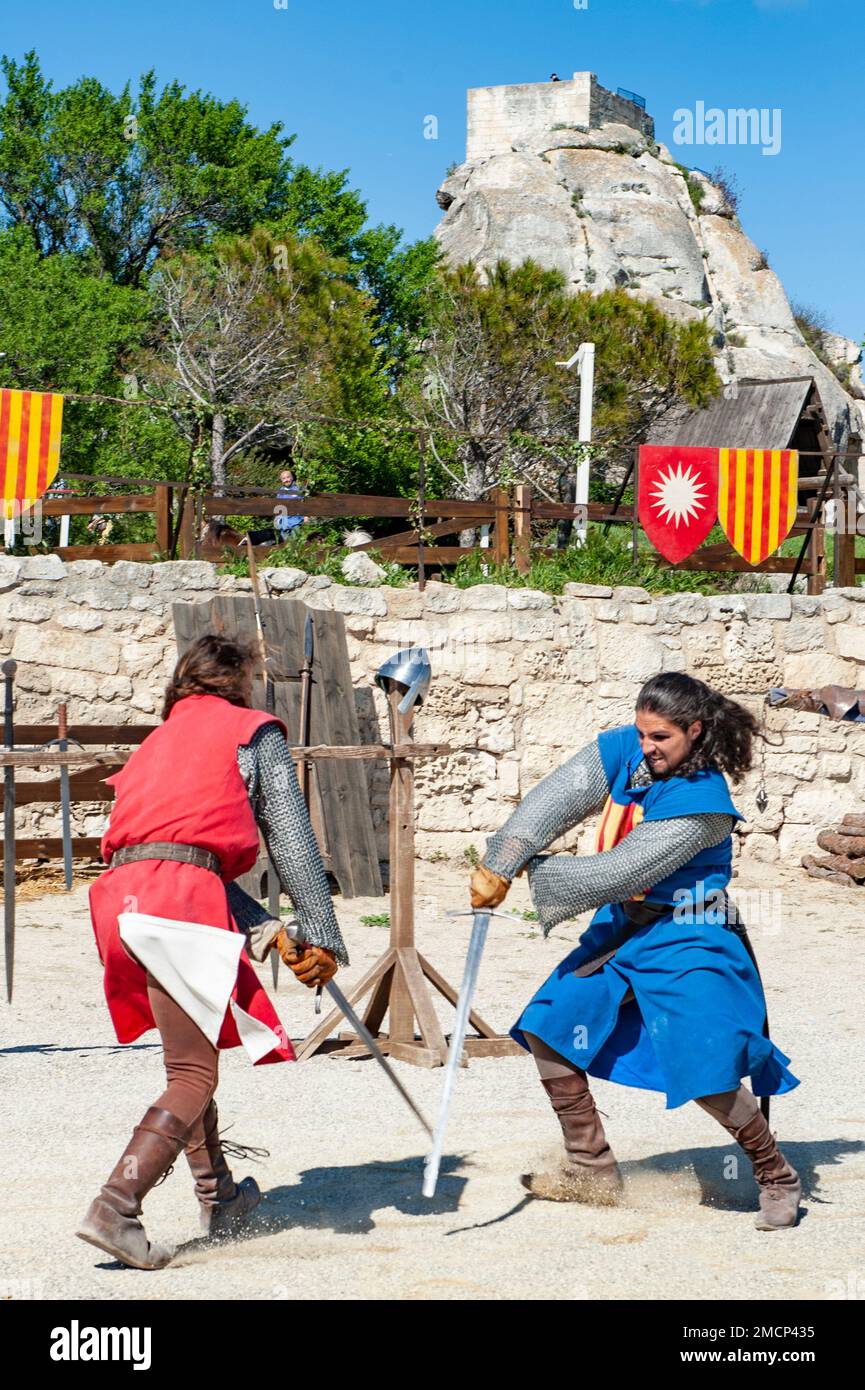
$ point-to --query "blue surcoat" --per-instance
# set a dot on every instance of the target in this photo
(695, 1024)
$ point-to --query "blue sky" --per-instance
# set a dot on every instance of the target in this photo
(355, 81)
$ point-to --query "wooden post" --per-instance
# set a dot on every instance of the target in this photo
(501, 539)
(523, 529)
(421, 519)
(163, 518)
(186, 527)
(816, 551)
(844, 566)
(635, 522)
(401, 836)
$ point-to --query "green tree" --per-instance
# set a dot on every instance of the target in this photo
(490, 370)
(254, 339)
(64, 329)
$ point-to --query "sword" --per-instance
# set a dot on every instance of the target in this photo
(305, 709)
(269, 705)
(367, 1039)
(65, 816)
(481, 921)
(62, 742)
(9, 669)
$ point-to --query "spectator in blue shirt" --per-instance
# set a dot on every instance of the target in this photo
(289, 489)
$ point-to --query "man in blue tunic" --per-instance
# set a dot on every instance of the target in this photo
(661, 992)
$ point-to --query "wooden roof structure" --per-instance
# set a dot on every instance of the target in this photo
(785, 413)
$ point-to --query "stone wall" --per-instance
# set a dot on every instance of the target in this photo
(521, 679)
(499, 117)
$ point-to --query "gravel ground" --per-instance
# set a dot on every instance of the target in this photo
(344, 1216)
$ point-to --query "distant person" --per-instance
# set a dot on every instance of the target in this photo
(289, 490)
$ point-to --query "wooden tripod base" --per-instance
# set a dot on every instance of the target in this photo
(397, 985)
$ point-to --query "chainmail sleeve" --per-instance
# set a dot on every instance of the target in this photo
(564, 885)
(267, 769)
(577, 789)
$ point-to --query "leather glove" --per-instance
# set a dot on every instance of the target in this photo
(312, 965)
(486, 888)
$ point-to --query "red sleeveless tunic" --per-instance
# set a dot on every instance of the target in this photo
(182, 785)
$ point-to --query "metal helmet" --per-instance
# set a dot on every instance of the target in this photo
(410, 669)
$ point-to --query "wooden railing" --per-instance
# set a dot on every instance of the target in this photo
(513, 519)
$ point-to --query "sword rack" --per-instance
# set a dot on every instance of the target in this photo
(398, 985)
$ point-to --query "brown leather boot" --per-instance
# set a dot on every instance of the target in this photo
(778, 1181)
(112, 1221)
(591, 1173)
(224, 1204)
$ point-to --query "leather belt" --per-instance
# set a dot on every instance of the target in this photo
(157, 849)
(637, 914)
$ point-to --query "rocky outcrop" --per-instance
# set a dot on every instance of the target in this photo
(610, 207)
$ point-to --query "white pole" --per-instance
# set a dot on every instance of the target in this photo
(64, 530)
(587, 392)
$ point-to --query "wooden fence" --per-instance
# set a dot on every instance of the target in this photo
(515, 519)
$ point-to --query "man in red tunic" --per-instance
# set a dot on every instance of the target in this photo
(184, 825)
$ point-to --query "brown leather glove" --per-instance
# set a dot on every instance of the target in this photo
(486, 888)
(312, 965)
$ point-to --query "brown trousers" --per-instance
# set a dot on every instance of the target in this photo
(191, 1061)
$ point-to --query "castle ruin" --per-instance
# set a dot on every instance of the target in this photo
(500, 116)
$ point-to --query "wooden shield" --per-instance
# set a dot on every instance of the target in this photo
(757, 495)
(677, 497)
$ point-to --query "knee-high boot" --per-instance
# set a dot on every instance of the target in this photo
(590, 1173)
(224, 1204)
(112, 1221)
(780, 1189)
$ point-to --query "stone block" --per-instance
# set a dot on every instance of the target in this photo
(587, 591)
(98, 655)
(631, 593)
(284, 579)
(48, 567)
(10, 571)
(529, 598)
(684, 608)
(490, 598)
(179, 576)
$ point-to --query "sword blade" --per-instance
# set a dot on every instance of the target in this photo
(273, 909)
(9, 876)
(66, 824)
(369, 1041)
(477, 940)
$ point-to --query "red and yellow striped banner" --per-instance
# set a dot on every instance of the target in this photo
(757, 494)
(30, 428)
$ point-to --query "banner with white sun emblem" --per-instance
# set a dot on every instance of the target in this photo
(677, 497)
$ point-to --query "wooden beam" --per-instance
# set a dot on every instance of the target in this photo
(140, 551)
(83, 847)
(51, 757)
(87, 506)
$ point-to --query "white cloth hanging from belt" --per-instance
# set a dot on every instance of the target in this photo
(197, 965)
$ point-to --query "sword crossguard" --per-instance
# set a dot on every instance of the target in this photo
(488, 912)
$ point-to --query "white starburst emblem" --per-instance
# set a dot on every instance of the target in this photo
(678, 494)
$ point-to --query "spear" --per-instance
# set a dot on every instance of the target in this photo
(9, 669)
(269, 705)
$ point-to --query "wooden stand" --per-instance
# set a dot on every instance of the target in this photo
(398, 983)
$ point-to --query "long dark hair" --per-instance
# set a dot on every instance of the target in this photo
(213, 665)
(728, 728)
